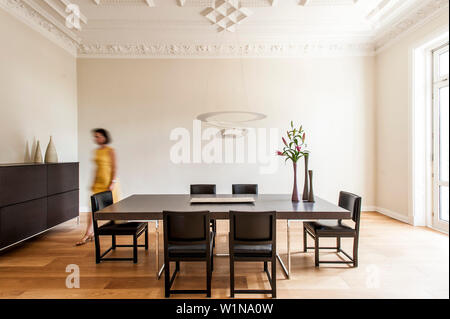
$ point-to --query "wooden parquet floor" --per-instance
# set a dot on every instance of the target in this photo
(396, 261)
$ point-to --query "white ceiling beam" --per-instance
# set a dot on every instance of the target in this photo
(274, 3)
(380, 9)
(181, 3)
(55, 7)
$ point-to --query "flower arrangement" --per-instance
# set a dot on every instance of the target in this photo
(296, 147)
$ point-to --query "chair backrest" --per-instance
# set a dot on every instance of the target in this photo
(186, 227)
(250, 189)
(98, 202)
(253, 227)
(352, 203)
(203, 189)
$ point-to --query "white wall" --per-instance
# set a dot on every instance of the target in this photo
(38, 94)
(393, 120)
(141, 101)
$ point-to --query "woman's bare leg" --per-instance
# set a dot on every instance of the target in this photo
(89, 232)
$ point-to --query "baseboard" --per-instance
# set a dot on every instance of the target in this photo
(392, 214)
(369, 209)
(85, 209)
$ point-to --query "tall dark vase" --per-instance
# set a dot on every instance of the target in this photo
(311, 192)
(295, 190)
(305, 187)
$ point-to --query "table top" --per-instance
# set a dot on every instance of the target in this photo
(150, 207)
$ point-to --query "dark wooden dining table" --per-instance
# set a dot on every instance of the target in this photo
(146, 207)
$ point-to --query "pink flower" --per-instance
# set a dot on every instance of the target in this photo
(304, 135)
(299, 148)
(284, 141)
(279, 153)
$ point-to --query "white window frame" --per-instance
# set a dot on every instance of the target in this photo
(420, 141)
(438, 83)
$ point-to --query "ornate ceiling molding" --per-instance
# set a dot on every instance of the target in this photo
(327, 2)
(243, 3)
(226, 14)
(415, 18)
(150, 3)
(36, 21)
(71, 42)
(254, 50)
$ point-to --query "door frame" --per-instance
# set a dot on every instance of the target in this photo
(438, 83)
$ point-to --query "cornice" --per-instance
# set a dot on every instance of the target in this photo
(416, 17)
(269, 48)
(250, 50)
(35, 20)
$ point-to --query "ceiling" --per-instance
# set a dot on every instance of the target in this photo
(191, 28)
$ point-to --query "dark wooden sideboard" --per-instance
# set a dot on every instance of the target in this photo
(35, 198)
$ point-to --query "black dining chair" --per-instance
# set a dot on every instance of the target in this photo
(203, 189)
(336, 229)
(135, 229)
(245, 189)
(187, 238)
(206, 189)
(253, 238)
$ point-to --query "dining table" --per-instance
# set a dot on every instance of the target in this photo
(150, 208)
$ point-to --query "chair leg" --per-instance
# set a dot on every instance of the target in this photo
(274, 277)
(305, 240)
(97, 249)
(338, 244)
(355, 251)
(177, 266)
(167, 278)
(113, 242)
(135, 249)
(146, 238)
(265, 266)
(208, 277)
(212, 261)
(231, 277)
(215, 232)
(316, 250)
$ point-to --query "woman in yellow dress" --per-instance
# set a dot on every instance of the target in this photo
(105, 175)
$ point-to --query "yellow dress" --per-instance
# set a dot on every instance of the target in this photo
(103, 174)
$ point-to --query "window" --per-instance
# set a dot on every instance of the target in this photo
(441, 138)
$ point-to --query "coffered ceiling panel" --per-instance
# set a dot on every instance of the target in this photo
(223, 28)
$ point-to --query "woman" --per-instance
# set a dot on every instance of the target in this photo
(105, 176)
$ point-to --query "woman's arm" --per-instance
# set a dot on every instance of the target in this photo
(113, 169)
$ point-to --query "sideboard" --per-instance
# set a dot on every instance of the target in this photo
(35, 198)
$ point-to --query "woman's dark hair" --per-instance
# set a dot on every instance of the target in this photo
(103, 132)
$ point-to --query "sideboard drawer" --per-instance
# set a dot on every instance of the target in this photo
(22, 183)
(20, 221)
(62, 207)
(62, 178)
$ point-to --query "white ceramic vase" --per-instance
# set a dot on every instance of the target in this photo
(38, 154)
(50, 154)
